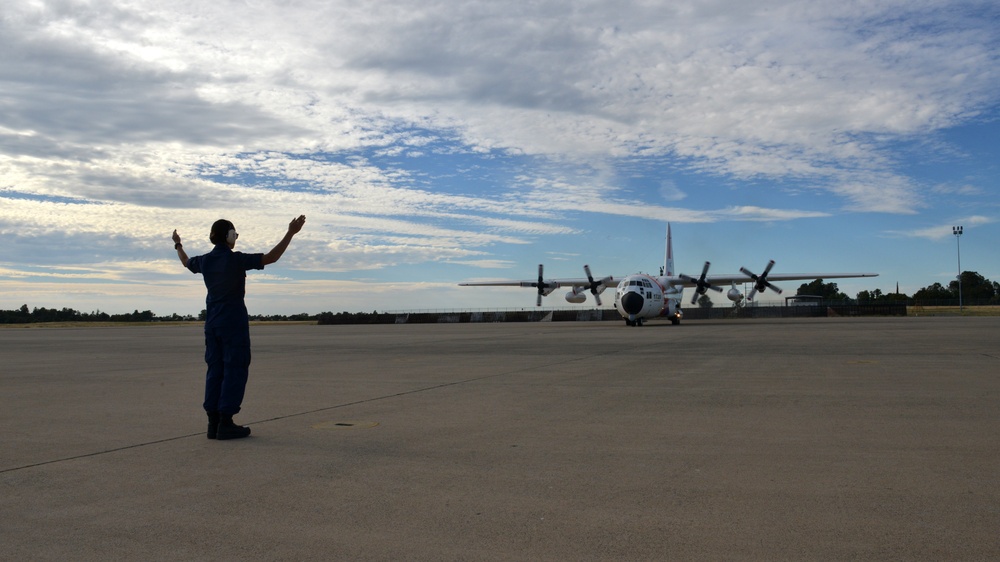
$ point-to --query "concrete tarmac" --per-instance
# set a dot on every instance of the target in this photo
(794, 439)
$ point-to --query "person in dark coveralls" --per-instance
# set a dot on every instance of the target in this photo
(227, 325)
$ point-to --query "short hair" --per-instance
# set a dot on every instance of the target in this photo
(220, 231)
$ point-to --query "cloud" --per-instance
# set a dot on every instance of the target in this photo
(670, 192)
(740, 95)
(942, 232)
(486, 264)
(749, 213)
(959, 190)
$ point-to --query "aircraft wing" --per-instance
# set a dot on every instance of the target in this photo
(743, 278)
(546, 286)
(553, 283)
(760, 282)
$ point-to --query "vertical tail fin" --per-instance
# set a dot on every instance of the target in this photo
(668, 259)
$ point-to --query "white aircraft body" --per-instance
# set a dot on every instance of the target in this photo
(639, 297)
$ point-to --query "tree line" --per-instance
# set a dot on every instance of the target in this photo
(976, 290)
(24, 315)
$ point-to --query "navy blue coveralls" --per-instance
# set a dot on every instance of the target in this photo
(227, 326)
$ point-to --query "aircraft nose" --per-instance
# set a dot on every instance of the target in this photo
(632, 303)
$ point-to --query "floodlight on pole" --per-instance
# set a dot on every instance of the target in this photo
(957, 231)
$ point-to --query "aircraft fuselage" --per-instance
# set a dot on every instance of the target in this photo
(641, 297)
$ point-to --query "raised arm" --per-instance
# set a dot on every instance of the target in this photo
(293, 228)
(181, 254)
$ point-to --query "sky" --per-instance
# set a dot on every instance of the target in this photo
(432, 142)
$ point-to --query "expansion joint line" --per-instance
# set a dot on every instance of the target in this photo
(436, 387)
(297, 414)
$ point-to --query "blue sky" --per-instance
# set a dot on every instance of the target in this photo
(430, 143)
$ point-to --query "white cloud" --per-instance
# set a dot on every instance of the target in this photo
(942, 232)
(486, 264)
(596, 81)
(670, 192)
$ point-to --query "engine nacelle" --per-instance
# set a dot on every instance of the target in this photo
(576, 299)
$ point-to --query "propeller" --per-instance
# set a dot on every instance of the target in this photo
(701, 285)
(595, 287)
(760, 281)
(544, 288)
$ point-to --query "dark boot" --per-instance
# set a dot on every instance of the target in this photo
(213, 424)
(229, 430)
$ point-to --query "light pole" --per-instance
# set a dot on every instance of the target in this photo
(957, 231)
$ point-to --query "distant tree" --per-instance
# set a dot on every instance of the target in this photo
(897, 297)
(870, 296)
(877, 296)
(936, 291)
(975, 287)
(705, 302)
(828, 291)
(19, 316)
(98, 316)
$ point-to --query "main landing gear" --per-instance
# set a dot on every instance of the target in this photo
(637, 322)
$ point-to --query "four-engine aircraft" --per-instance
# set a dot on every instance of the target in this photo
(639, 297)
